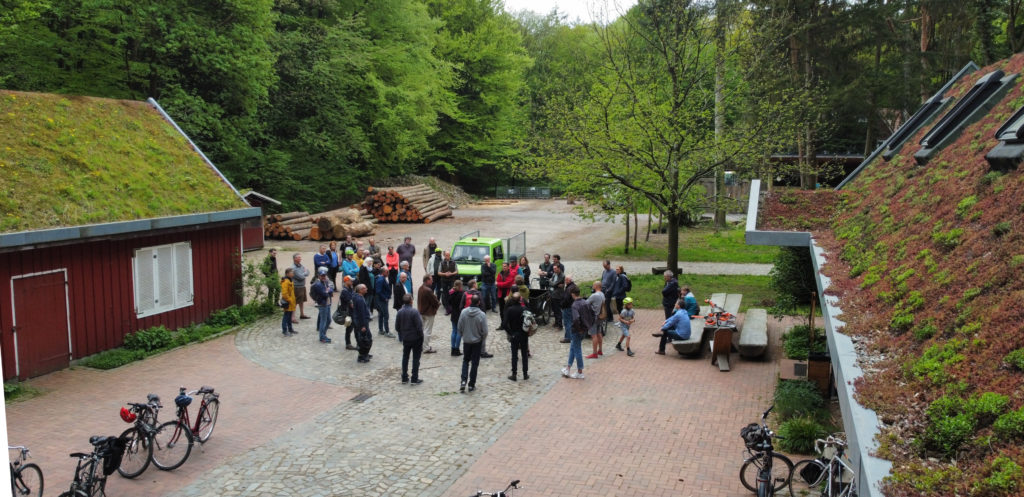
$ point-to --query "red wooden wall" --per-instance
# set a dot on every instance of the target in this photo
(101, 292)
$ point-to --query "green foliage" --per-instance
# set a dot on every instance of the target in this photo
(798, 435)
(1010, 426)
(647, 288)
(933, 363)
(148, 340)
(701, 244)
(903, 316)
(990, 177)
(229, 316)
(113, 358)
(952, 420)
(795, 398)
(1016, 359)
(948, 239)
(795, 342)
(16, 390)
(1004, 478)
(924, 331)
(792, 279)
(1001, 228)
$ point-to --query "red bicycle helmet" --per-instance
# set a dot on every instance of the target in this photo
(127, 416)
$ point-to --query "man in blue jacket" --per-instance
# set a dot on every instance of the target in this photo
(383, 294)
(321, 291)
(669, 294)
(676, 327)
(361, 323)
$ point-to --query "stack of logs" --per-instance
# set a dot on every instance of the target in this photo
(330, 225)
(417, 204)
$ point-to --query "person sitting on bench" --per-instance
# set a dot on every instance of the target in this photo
(676, 327)
(691, 302)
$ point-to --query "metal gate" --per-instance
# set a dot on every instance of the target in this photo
(516, 245)
(42, 331)
(522, 192)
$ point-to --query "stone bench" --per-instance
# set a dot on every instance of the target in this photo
(754, 334)
(692, 346)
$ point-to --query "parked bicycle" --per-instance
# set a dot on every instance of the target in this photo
(26, 479)
(765, 471)
(92, 469)
(162, 444)
(829, 475)
(514, 484)
(206, 416)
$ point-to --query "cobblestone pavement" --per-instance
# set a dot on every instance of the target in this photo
(400, 440)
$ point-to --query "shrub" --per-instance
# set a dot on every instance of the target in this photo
(798, 435)
(230, 316)
(945, 435)
(965, 205)
(797, 398)
(792, 278)
(1010, 425)
(1004, 477)
(948, 239)
(794, 342)
(148, 340)
(987, 407)
(1001, 228)
(933, 362)
(925, 331)
(1015, 359)
(990, 177)
(113, 358)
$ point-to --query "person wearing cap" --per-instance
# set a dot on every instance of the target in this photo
(391, 262)
(626, 318)
(321, 292)
(406, 251)
(349, 267)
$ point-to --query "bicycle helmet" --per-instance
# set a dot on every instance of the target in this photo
(182, 400)
(127, 415)
(627, 300)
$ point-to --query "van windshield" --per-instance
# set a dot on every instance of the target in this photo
(467, 254)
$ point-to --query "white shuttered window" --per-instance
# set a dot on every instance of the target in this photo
(163, 278)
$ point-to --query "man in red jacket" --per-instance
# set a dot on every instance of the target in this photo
(505, 281)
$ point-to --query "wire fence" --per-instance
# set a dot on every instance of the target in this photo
(522, 192)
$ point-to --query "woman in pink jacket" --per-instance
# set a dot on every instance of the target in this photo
(505, 281)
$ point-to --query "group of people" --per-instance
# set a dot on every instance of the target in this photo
(371, 281)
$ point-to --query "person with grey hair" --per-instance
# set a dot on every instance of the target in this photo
(596, 302)
(361, 324)
(299, 275)
(670, 293)
(431, 247)
(428, 304)
(406, 251)
(407, 271)
(472, 325)
(608, 279)
(409, 327)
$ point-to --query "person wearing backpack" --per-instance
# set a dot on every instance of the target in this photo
(622, 286)
(519, 341)
(566, 305)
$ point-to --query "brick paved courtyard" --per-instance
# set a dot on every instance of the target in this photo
(646, 425)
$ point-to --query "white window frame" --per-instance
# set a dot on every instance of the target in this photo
(163, 269)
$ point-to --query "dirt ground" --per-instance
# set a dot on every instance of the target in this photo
(550, 225)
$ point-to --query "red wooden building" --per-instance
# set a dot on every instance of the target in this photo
(120, 223)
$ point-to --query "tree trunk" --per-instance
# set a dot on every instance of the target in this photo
(636, 225)
(927, 32)
(650, 217)
(673, 240)
(719, 112)
(627, 233)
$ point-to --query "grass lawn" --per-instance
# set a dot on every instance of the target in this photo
(647, 289)
(701, 244)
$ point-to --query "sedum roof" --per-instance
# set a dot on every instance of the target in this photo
(69, 161)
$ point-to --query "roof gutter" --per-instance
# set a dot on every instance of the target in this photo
(56, 235)
(859, 423)
(196, 148)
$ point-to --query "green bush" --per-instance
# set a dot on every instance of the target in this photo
(794, 342)
(792, 278)
(113, 358)
(953, 420)
(1015, 359)
(1010, 426)
(1004, 478)
(795, 398)
(798, 435)
(987, 407)
(1001, 228)
(230, 316)
(932, 364)
(946, 435)
(965, 206)
(925, 331)
(148, 340)
(948, 239)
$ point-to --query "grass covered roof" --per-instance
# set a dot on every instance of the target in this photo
(68, 161)
(928, 262)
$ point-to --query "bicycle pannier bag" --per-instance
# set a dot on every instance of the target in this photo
(812, 472)
(114, 452)
(529, 323)
(751, 435)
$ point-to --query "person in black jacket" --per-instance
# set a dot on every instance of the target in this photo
(409, 326)
(487, 284)
(519, 342)
(361, 323)
(669, 294)
(566, 304)
(456, 302)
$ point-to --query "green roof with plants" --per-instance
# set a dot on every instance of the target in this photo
(68, 161)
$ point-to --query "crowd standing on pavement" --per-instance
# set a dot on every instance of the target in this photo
(371, 280)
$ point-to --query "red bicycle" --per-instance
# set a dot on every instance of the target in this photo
(206, 416)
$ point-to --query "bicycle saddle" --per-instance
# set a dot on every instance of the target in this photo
(205, 390)
(153, 398)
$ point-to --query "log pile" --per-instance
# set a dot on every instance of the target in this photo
(330, 225)
(405, 204)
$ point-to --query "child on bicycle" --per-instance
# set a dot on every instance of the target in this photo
(626, 318)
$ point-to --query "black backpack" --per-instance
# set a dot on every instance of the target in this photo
(113, 451)
(629, 284)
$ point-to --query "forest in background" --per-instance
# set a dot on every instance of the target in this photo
(310, 100)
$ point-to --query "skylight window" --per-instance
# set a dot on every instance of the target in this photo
(1007, 155)
(920, 118)
(978, 101)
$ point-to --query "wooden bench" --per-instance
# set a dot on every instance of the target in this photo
(732, 303)
(693, 344)
(721, 346)
(754, 334)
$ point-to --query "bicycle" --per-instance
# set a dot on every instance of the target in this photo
(206, 416)
(90, 475)
(147, 441)
(828, 475)
(514, 484)
(765, 471)
(26, 479)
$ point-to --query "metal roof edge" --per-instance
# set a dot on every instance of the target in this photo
(195, 147)
(753, 236)
(968, 68)
(36, 237)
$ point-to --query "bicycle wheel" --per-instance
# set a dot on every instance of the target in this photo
(808, 478)
(782, 470)
(28, 481)
(207, 419)
(76, 493)
(138, 450)
(172, 443)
